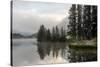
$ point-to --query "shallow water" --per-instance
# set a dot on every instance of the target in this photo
(29, 52)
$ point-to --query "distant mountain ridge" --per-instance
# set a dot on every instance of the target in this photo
(19, 35)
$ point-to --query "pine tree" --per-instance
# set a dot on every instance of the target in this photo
(53, 34)
(57, 33)
(72, 21)
(62, 35)
(41, 34)
(83, 21)
(94, 21)
(48, 35)
(87, 21)
(79, 22)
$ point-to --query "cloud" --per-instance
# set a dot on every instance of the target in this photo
(27, 17)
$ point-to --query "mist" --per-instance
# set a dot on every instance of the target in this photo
(28, 16)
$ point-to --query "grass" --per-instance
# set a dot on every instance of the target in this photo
(83, 44)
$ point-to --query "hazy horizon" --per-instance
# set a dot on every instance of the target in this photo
(29, 15)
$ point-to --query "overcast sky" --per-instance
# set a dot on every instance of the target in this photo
(29, 15)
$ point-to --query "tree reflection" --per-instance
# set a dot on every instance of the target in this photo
(44, 48)
(69, 54)
(82, 55)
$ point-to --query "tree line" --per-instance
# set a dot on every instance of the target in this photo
(54, 35)
(82, 21)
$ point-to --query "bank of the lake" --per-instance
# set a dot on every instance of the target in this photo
(83, 44)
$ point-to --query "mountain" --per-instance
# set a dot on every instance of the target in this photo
(18, 35)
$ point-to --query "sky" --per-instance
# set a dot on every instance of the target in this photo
(29, 15)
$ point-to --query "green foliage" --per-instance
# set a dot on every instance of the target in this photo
(82, 21)
(41, 34)
(55, 36)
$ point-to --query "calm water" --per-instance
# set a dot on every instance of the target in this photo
(30, 52)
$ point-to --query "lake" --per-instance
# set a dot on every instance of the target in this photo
(27, 52)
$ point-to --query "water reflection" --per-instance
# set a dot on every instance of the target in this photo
(30, 52)
(45, 48)
(83, 55)
(67, 53)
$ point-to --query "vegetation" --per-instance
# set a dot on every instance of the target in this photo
(55, 36)
(83, 44)
(82, 36)
(82, 22)
(82, 26)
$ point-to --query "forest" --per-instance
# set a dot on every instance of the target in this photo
(82, 25)
(54, 36)
(83, 22)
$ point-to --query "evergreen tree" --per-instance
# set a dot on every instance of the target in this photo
(90, 21)
(57, 34)
(53, 34)
(83, 21)
(41, 34)
(87, 21)
(45, 35)
(72, 21)
(48, 35)
(94, 21)
(63, 35)
(79, 22)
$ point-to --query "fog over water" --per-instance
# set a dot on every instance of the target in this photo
(25, 52)
(28, 16)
